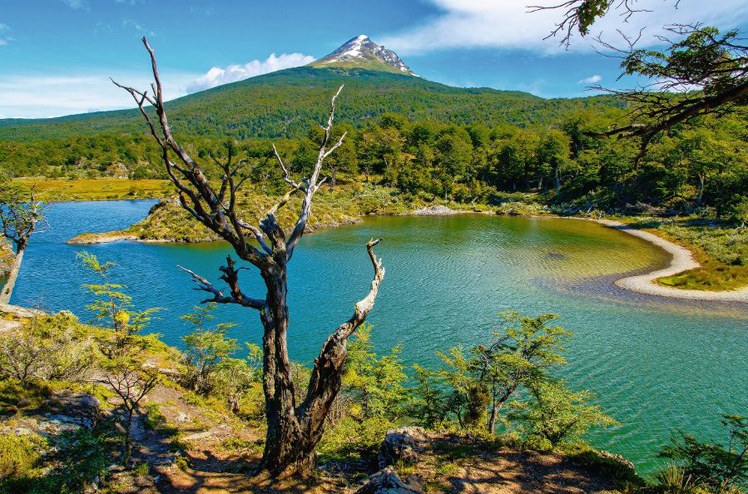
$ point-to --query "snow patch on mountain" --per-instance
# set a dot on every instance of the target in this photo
(361, 50)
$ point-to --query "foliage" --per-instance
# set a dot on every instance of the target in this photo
(487, 376)
(428, 403)
(374, 383)
(556, 416)
(19, 454)
(77, 458)
(206, 346)
(47, 347)
(20, 213)
(351, 437)
(114, 308)
(285, 104)
(716, 466)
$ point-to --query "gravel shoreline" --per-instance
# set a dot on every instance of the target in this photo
(682, 261)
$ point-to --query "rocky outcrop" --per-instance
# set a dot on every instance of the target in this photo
(437, 210)
(401, 446)
(387, 481)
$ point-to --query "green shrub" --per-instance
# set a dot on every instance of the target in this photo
(47, 347)
(350, 438)
(19, 455)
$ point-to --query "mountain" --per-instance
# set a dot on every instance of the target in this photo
(361, 52)
(286, 103)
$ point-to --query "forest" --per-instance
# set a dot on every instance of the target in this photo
(697, 169)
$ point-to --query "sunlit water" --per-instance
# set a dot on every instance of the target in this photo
(655, 365)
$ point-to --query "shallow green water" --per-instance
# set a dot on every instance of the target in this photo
(656, 365)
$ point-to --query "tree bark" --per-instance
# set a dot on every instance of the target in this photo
(293, 430)
(13, 276)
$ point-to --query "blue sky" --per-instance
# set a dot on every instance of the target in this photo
(56, 55)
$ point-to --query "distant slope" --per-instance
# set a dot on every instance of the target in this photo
(287, 102)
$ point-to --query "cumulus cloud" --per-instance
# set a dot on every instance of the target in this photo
(217, 75)
(507, 24)
(591, 79)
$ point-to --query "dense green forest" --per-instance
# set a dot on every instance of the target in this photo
(686, 171)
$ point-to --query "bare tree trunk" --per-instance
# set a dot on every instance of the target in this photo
(492, 418)
(128, 439)
(293, 430)
(13, 276)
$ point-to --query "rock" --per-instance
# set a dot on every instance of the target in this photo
(197, 435)
(182, 417)
(80, 407)
(400, 445)
(437, 210)
(618, 458)
(387, 481)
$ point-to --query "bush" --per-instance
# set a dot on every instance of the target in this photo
(48, 347)
(710, 464)
(19, 455)
(351, 437)
(207, 346)
(556, 416)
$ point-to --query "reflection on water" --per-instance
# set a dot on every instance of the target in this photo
(655, 364)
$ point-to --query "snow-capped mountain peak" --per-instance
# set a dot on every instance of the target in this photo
(362, 52)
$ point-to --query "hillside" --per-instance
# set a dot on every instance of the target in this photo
(284, 104)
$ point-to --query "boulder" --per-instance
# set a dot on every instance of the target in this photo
(80, 408)
(387, 481)
(401, 446)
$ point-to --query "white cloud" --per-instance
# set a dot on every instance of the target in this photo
(140, 28)
(591, 79)
(41, 96)
(3, 29)
(507, 24)
(217, 76)
(76, 4)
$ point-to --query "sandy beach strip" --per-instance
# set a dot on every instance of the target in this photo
(682, 261)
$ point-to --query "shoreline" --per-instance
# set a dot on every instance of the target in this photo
(682, 258)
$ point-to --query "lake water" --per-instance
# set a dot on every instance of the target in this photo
(655, 365)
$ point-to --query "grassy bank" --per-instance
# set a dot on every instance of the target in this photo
(109, 189)
(168, 222)
(720, 248)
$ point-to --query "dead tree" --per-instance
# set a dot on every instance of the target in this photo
(19, 216)
(293, 429)
(131, 384)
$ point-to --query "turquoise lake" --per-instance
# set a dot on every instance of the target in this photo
(655, 365)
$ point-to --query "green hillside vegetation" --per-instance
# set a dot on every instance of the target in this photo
(422, 142)
(286, 103)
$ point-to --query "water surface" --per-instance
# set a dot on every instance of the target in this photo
(656, 365)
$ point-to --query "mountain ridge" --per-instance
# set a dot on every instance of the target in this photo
(362, 52)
